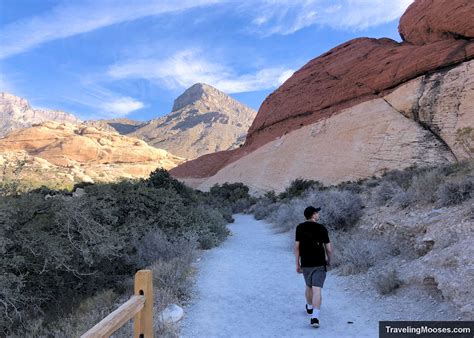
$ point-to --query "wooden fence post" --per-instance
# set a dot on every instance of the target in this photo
(143, 321)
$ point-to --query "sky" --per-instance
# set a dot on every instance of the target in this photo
(121, 58)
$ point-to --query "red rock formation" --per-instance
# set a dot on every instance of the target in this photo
(206, 165)
(356, 71)
(428, 21)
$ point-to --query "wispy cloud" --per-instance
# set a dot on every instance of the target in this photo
(104, 102)
(71, 19)
(288, 16)
(122, 106)
(188, 67)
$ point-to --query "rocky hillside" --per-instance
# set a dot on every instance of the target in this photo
(16, 113)
(76, 152)
(364, 107)
(123, 126)
(203, 120)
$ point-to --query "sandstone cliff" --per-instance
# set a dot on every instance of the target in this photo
(360, 97)
(203, 120)
(16, 113)
(80, 153)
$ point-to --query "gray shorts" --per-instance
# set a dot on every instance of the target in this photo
(314, 276)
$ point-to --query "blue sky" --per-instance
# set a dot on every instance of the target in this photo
(117, 58)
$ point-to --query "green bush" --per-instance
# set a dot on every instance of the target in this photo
(231, 192)
(298, 187)
(230, 198)
(57, 250)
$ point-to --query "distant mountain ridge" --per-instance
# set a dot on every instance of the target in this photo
(16, 113)
(203, 120)
(121, 125)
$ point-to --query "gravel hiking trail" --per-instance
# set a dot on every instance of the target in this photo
(248, 287)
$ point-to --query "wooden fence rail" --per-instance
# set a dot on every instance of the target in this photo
(139, 307)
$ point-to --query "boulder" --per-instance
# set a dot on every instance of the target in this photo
(172, 314)
(428, 21)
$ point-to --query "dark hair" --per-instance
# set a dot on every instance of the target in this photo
(310, 211)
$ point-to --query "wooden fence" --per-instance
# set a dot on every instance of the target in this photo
(139, 307)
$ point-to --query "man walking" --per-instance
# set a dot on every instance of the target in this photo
(313, 252)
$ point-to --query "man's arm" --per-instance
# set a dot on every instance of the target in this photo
(297, 256)
(329, 251)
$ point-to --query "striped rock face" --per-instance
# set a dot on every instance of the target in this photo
(70, 153)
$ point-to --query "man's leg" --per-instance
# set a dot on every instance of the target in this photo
(309, 295)
(317, 298)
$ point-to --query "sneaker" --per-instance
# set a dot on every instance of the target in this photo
(308, 311)
(314, 322)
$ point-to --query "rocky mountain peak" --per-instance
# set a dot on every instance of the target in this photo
(203, 120)
(198, 92)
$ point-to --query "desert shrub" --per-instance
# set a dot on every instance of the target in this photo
(210, 226)
(156, 245)
(230, 197)
(226, 212)
(88, 313)
(386, 191)
(265, 205)
(298, 187)
(403, 198)
(402, 177)
(465, 137)
(387, 281)
(173, 276)
(424, 185)
(161, 178)
(355, 187)
(231, 192)
(356, 252)
(372, 182)
(242, 205)
(455, 192)
(287, 215)
(263, 208)
(340, 209)
(271, 196)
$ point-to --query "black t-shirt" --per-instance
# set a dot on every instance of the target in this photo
(311, 236)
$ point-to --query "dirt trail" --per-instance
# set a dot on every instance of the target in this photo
(248, 287)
